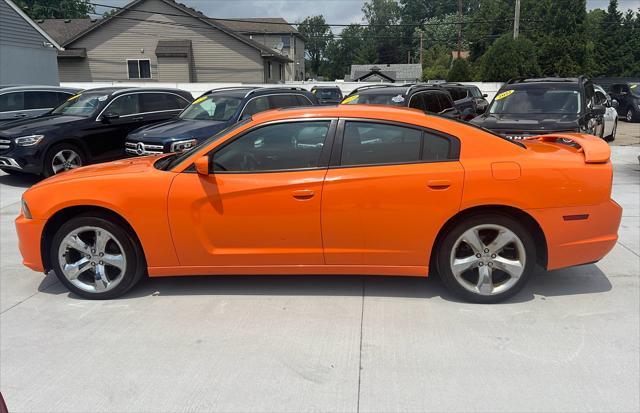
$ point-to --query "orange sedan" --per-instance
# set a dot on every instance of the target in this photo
(352, 189)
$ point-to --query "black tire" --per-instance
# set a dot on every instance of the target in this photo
(443, 257)
(135, 261)
(47, 169)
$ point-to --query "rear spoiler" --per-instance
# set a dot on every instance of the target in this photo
(595, 150)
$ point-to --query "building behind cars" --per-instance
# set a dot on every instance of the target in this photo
(165, 41)
(431, 99)
(21, 102)
(89, 127)
(525, 107)
(27, 53)
(393, 73)
(211, 113)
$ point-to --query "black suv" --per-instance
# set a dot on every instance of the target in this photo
(468, 98)
(525, 107)
(628, 97)
(89, 127)
(22, 102)
(212, 112)
(327, 95)
(429, 98)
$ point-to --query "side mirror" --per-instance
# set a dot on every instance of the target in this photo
(599, 110)
(484, 95)
(202, 165)
(614, 103)
(107, 117)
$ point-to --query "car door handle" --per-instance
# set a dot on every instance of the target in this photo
(137, 118)
(303, 194)
(20, 115)
(439, 184)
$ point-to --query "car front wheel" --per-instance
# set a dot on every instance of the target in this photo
(629, 117)
(96, 258)
(486, 258)
(62, 158)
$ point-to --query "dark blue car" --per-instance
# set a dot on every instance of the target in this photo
(210, 113)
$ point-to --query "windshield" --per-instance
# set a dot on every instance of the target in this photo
(212, 107)
(332, 94)
(83, 104)
(375, 99)
(176, 159)
(635, 89)
(536, 100)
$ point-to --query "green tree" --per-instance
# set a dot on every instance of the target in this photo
(343, 52)
(318, 35)
(382, 15)
(56, 9)
(460, 71)
(437, 60)
(509, 58)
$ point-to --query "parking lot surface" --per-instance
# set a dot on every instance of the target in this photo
(570, 341)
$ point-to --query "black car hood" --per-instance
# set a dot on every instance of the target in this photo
(543, 122)
(179, 129)
(39, 125)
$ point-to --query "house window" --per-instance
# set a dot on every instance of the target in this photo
(286, 41)
(270, 72)
(139, 69)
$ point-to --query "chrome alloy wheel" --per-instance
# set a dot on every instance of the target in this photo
(92, 259)
(488, 259)
(64, 160)
(629, 116)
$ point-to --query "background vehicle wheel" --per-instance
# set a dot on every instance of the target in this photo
(486, 258)
(96, 258)
(629, 116)
(612, 137)
(62, 158)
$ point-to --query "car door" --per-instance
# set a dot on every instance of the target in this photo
(106, 136)
(11, 106)
(388, 190)
(158, 106)
(37, 103)
(261, 204)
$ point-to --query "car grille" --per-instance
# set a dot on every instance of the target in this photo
(141, 148)
(4, 144)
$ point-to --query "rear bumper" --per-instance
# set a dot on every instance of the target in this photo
(29, 237)
(579, 235)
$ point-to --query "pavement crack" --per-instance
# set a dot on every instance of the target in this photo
(629, 249)
(32, 295)
(360, 355)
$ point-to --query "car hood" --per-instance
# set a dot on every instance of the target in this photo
(528, 122)
(124, 166)
(38, 125)
(179, 129)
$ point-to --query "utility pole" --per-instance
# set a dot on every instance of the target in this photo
(516, 21)
(421, 53)
(459, 26)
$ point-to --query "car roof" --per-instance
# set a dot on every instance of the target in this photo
(245, 91)
(20, 88)
(403, 89)
(113, 90)
(325, 87)
(537, 84)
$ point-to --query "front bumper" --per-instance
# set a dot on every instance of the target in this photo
(136, 148)
(29, 238)
(23, 158)
(572, 238)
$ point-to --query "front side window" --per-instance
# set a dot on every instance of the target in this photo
(10, 102)
(124, 105)
(139, 69)
(41, 100)
(212, 107)
(538, 99)
(283, 146)
(368, 143)
(417, 102)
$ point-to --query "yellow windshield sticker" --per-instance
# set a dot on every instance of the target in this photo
(504, 94)
(199, 100)
(634, 86)
(74, 97)
(314, 91)
(350, 99)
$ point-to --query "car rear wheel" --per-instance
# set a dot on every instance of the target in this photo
(486, 258)
(96, 258)
(62, 158)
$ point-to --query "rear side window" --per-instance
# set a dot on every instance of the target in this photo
(283, 101)
(11, 101)
(367, 143)
(41, 100)
(445, 102)
(256, 105)
(435, 148)
(431, 102)
(417, 102)
(175, 102)
(124, 105)
(303, 100)
(156, 102)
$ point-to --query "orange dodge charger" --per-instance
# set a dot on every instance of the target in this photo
(352, 189)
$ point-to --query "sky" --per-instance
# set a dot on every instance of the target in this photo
(334, 11)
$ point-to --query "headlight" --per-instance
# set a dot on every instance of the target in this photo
(181, 146)
(29, 140)
(25, 209)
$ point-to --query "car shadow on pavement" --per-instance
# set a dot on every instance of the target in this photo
(20, 181)
(586, 279)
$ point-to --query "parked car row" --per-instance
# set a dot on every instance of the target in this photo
(46, 130)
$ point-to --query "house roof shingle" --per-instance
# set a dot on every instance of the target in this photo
(276, 25)
(65, 29)
(401, 72)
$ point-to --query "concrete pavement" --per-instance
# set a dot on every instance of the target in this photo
(569, 342)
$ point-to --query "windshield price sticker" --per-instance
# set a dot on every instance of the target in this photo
(199, 100)
(74, 97)
(103, 98)
(397, 99)
(504, 94)
(350, 98)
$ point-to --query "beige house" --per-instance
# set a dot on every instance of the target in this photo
(164, 41)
